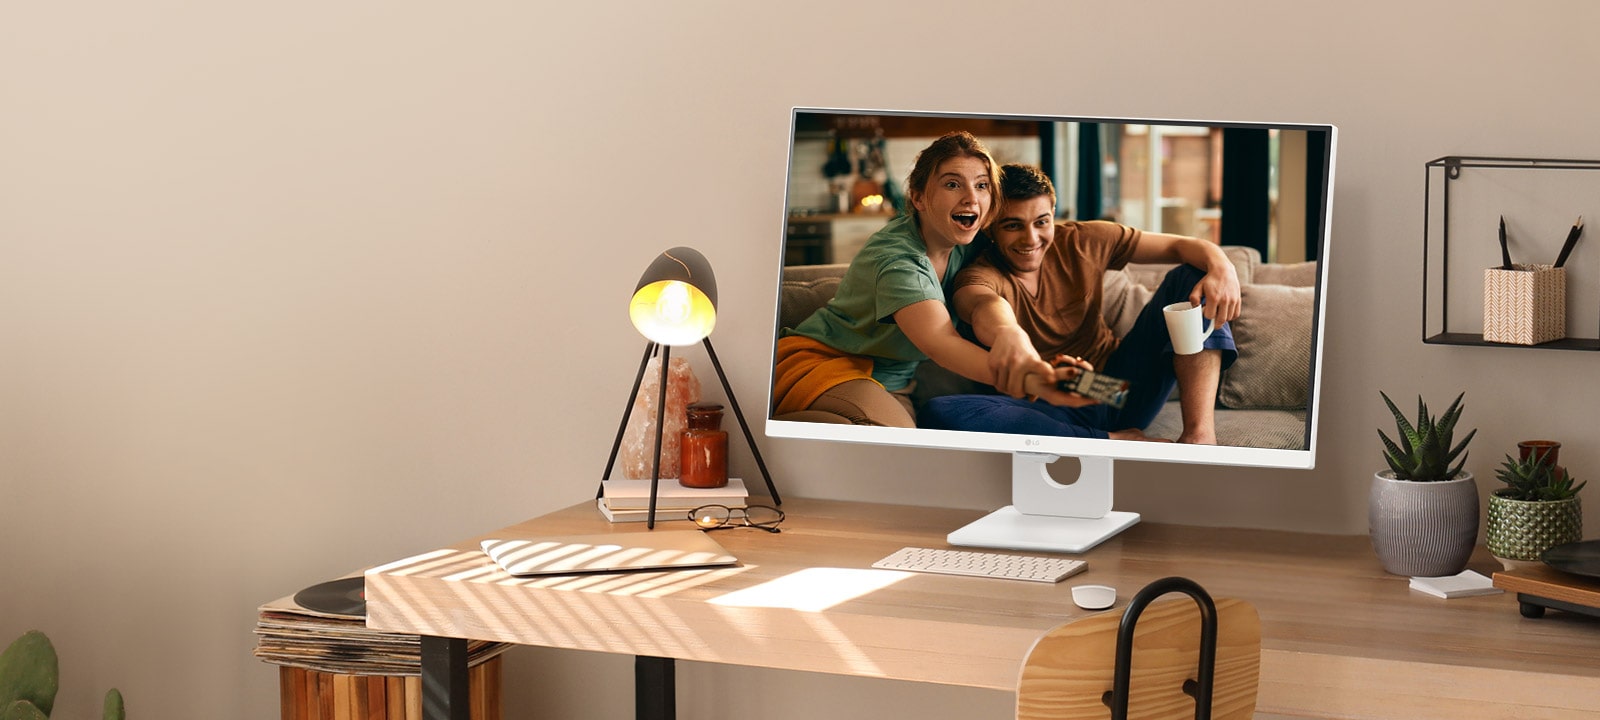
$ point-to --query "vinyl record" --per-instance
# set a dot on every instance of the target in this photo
(1579, 558)
(345, 596)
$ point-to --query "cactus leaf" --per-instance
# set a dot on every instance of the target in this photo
(29, 671)
(22, 710)
(113, 709)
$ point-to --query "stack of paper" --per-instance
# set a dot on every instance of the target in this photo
(625, 500)
(1467, 583)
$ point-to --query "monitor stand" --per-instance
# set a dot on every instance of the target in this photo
(1046, 515)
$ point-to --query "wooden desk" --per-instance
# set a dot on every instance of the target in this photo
(1340, 637)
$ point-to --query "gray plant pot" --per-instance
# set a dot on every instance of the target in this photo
(1423, 529)
(1524, 529)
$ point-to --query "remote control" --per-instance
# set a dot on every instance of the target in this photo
(1097, 386)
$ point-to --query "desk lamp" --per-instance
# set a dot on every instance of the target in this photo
(675, 305)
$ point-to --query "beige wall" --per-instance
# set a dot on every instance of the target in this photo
(291, 288)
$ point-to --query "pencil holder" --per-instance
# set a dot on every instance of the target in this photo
(1526, 305)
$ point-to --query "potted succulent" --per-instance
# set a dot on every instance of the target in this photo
(1537, 509)
(29, 678)
(1422, 511)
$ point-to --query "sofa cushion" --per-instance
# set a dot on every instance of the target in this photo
(806, 288)
(1124, 299)
(1277, 429)
(1245, 261)
(1273, 335)
(1128, 290)
(1301, 274)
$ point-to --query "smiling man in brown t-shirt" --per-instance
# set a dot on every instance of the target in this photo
(1047, 278)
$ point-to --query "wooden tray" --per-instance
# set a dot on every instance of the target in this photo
(1539, 587)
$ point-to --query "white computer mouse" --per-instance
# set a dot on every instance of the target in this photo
(1094, 597)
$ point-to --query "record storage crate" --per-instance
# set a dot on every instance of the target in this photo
(315, 695)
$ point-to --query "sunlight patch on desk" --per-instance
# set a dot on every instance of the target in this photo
(662, 584)
(572, 610)
(675, 637)
(817, 636)
(591, 581)
(411, 564)
(644, 583)
(537, 581)
(478, 574)
(558, 621)
(440, 563)
(592, 619)
(812, 589)
(405, 604)
(683, 580)
(849, 652)
(568, 555)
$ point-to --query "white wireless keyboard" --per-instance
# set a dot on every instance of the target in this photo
(982, 564)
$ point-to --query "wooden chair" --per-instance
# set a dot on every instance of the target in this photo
(1075, 673)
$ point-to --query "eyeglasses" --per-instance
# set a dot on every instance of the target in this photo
(719, 517)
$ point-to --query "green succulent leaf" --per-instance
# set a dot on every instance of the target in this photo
(1397, 458)
(1424, 423)
(29, 671)
(1425, 451)
(1461, 448)
(1534, 480)
(113, 709)
(1407, 433)
(22, 710)
(1447, 421)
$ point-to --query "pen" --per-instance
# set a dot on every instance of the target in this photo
(1505, 254)
(1572, 239)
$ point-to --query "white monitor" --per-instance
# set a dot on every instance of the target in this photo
(1262, 191)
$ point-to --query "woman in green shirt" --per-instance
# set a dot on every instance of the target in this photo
(852, 361)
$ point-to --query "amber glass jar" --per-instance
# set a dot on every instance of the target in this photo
(704, 458)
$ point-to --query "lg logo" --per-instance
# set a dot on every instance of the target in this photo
(1030, 442)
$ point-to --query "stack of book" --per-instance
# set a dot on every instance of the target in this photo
(627, 500)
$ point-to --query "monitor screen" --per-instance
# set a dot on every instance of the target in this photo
(1013, 284)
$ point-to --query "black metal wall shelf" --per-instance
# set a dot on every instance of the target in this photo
(1442, 206)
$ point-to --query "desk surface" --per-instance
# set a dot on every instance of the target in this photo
(1339, 635)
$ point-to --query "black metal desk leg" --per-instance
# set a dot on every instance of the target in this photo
(654, 688)
(444, 679)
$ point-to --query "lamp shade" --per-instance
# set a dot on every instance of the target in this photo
(676, 300)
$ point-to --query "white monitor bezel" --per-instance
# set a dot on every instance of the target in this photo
(1086, 447)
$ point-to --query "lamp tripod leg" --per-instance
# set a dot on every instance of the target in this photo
(661, 419)
(627, 410)
(748, 437)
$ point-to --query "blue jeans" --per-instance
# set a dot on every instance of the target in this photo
(1143, 358)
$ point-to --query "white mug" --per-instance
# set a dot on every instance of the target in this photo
(1184, 325)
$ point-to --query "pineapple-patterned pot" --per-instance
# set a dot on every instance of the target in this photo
(1524, 529)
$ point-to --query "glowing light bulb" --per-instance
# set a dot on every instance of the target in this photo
(674, 305)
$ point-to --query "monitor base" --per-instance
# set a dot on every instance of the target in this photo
(1009, 529)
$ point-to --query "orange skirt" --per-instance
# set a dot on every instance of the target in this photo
(807, 368)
